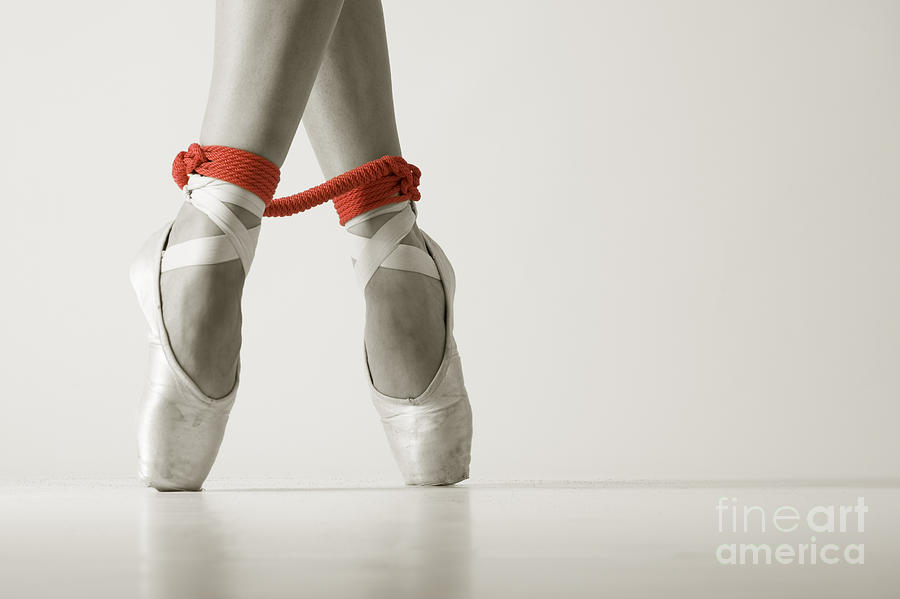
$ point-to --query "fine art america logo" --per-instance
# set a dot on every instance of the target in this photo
(827, 521)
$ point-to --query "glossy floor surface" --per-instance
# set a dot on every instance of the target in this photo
(284, 539)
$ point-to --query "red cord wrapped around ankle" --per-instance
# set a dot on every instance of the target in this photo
(374, 184)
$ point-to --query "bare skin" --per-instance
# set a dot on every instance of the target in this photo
(267, 59)
(350, 120)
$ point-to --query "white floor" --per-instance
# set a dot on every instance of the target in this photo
(289, 539)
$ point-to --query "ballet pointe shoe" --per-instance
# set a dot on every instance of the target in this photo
(430, 435)
(180, 428)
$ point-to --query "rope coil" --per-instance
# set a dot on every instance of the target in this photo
(372, 185)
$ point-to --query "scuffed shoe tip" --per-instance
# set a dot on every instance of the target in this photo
(166, 485)
(437, 481)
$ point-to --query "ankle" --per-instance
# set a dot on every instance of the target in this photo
(202, 312)
(191, 223)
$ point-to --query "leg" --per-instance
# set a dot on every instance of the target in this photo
(350, 121)
(266, 59)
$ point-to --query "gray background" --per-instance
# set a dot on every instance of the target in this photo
(675, 226)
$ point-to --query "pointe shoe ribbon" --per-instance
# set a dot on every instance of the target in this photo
(186, 163)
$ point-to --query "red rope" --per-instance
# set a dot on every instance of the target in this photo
(374, 184)
(245, 169)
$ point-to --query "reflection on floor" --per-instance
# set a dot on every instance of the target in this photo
(283, 539)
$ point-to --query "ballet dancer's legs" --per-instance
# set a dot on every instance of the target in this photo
(267, 55)
(350, 121)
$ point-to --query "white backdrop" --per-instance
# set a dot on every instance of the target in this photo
(675, 227)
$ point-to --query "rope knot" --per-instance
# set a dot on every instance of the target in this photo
(187, 162)
(409, 176)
